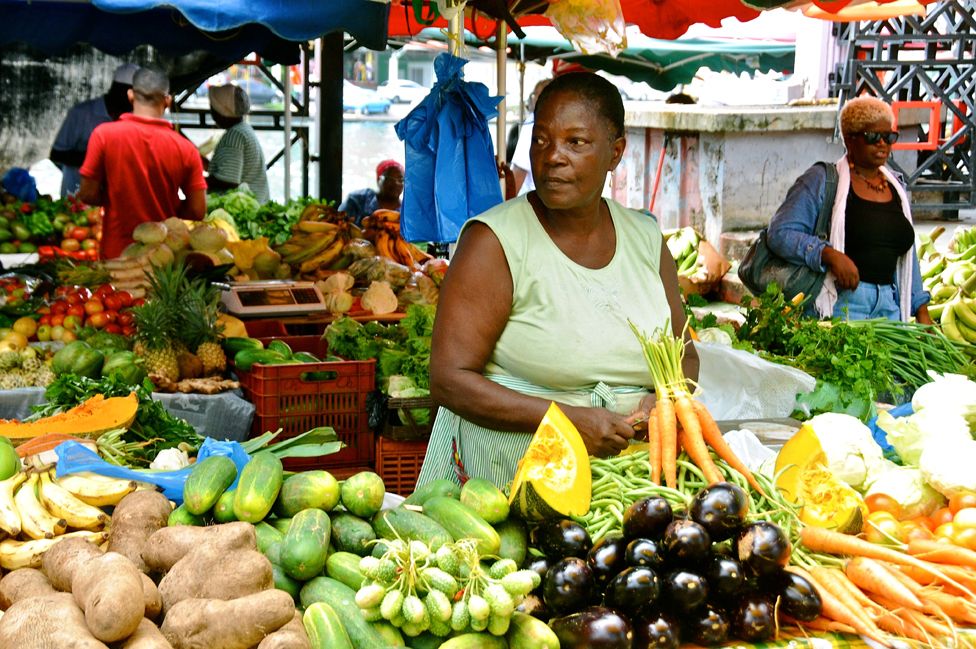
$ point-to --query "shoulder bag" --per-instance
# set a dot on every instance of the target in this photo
(761, 266)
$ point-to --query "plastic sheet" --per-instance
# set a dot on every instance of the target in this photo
(592, 26)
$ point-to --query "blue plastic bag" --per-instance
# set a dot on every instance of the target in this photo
(74, 457)
(451, 173)
(904, 410)
(21, 184)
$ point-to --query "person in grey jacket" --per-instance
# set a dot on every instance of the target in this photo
(869, 255)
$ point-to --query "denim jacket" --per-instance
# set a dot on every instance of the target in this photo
(790, 233)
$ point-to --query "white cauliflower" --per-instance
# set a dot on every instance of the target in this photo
(948, 466)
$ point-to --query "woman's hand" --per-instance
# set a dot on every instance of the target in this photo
(638, 418)
(845, 271)
(922, 315)
(604, 433)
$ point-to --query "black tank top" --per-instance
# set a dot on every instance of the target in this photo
(875, 236)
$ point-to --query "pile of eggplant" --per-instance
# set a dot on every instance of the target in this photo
(704, 576)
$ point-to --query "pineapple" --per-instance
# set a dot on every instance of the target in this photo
(9, 360)
(154, 340)
(200, 326)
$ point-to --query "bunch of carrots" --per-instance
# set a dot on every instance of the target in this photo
(679, 421)
(921, 592)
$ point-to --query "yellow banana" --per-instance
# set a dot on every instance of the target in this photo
(27, 554)
(35, 521)
(9, 516)
(324, 258)
(316, 226)
(60, 502)
(965, 313)
(97, 490)
(384, 246)
(949, 326)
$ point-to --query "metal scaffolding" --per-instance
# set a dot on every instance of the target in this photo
(926, 63)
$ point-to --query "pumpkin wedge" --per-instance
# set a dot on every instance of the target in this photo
(553, 478)
(89, 419)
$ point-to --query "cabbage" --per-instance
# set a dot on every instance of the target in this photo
(948, 466)
(851, 452)
(912, 434)
(951, 392)
(908, 487)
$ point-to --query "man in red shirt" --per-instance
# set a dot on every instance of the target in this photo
(135, 167)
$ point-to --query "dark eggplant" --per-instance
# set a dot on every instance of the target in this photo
(754, 619)
(647, 518)
(798, 598)
(596, 627)
(644, 552)
(763, 548)
(607, 558)
(533, 605)
(721, 509)
(707, 626)
(725, 576)
(562, 539)
(633, 591)
(569, 586)
(683, 590)
(686, 543)
(540, 566)
(657, 631)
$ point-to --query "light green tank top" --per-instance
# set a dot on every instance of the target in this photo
(568, 329)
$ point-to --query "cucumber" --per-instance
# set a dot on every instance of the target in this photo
(307, 489)
(207, 481)
(527, 632)
(391, 635)
(281, 347)
(352, 534)
(362, 493)
(305, 357)
(267, 535)
(411, 526)
(280, 524)
(235, 344)
(485, 500)
(304, 549)
(181, 516)
(258, 487)
(475, 641)
(342, 599)
(344, 567)
(462, 523)
(514, 540)
(223, 511)
(273, 553)
(438, 487)
(425, 640)
(283, 582)
(324, 628)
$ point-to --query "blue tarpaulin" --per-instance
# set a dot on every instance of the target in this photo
(450, 172)
(230, 28)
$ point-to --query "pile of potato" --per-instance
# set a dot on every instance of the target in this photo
(205, 587)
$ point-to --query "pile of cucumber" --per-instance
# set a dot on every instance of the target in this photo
(441, 570)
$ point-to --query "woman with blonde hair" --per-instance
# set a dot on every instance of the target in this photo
(869, 254)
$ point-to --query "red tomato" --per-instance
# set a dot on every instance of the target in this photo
(93, 306)
(73, 298)
(59, 307)
(103, 290)
(925, 522)
(125, 297)
(111, 316)
(57, 319)
(126, 318)
(940, 516)
(128, 330)
(79, 234)
(965, 518)
(962, 500)
(83, 293)
(91, 254)
(44, 319)
(41, 310)
(945, 532)
(883, 503)
(89, 244)
(113, 328)
(76, 309)
(914, 529)
(112, 302)
(965, 538)
(97, 320)
(883, 528)
(138, 301)
(70, 245)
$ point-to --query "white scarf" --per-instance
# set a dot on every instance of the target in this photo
(827, 297)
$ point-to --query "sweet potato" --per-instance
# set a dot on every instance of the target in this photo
(62, 561)
(47, 622)
(109, 589)
(147, 636)
(134, 520)
(21, 584)
(167, 546)
(239, 623)
(211, 572)
(290, 636)
(150, 593)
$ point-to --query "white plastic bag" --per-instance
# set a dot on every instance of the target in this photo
(739, 385)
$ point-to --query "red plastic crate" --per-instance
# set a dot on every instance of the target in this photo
(399, 463)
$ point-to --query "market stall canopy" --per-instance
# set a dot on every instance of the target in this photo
(229, 28)
(857, 11)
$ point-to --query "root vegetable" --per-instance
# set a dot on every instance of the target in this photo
(151, 598)
(109, 589)
(239, 623)
(21, 584)
(147, 636)
(47, 622)
(63, 560)
(211, 572)
(135, 519)
(290, 636)
(168, 545)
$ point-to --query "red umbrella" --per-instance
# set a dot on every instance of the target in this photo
(407, 18)
(669, 19)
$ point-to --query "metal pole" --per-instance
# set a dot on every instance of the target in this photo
(286, 82)
(501, 68)
(330, 109)
(455, 28)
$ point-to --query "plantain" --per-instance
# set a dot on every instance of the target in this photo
(310, 251)
(316, 226)
(324, 258)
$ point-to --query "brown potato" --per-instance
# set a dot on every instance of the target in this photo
(134, 520)
(109, 589)
(168, 545)
(62, 561)
(21, 584)
(290, 636)
(47, 622)
(211, 572)
(239, 623)
(147, 636)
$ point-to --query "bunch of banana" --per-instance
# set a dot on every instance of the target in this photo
(314, 245)
(958, 319)
(963, 239)
(683, 244)
(36, 510)
(382, 228)
(950, 279)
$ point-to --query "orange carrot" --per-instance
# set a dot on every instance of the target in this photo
(868, 574)
(667, 428)
(691, 439)
(823, 625)
(713, 437)
(893, 622)
(840, 606)
(936, 601)
(839, 582)
(961, 575)
(654, 447)
(941, 552)
(918, 619)
(820, 539)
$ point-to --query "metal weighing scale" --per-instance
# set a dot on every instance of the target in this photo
(272, 297)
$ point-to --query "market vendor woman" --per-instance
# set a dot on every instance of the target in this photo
(536, 304)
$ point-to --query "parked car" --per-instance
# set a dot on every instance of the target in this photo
(259, 93)
(402, 91)
(362, 100)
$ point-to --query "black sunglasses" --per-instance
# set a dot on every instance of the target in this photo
(873, 137)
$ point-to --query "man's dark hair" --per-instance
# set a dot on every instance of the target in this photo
(593, 89)
(150, 85)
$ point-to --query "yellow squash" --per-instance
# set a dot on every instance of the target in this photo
(88, 419)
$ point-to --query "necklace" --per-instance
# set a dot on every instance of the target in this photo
(879, 186)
